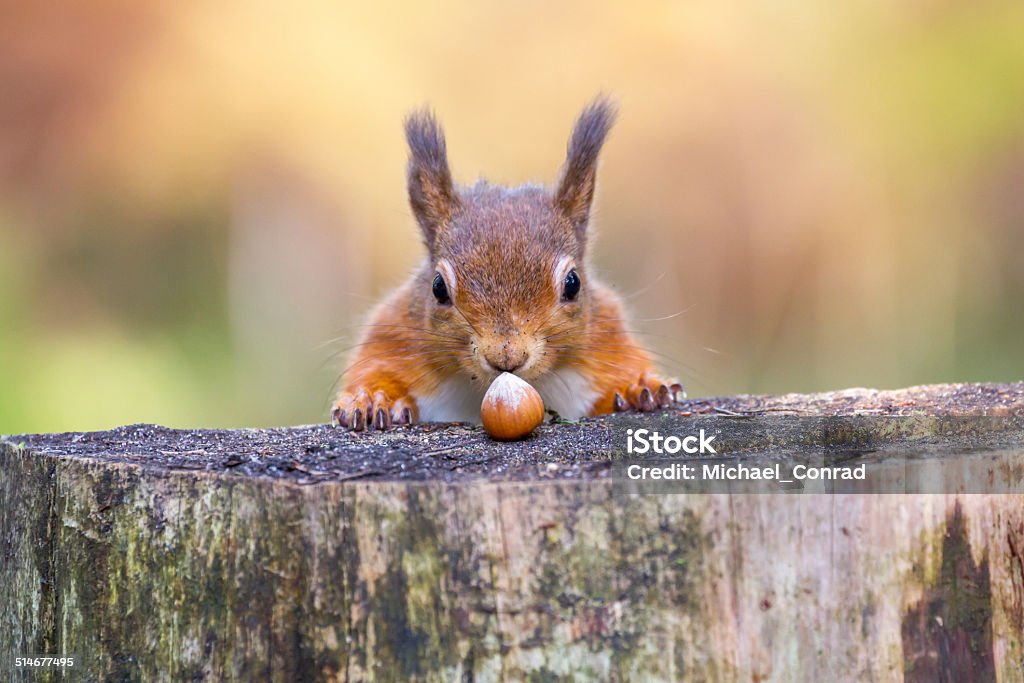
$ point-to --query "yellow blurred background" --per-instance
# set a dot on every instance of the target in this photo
(199, 201)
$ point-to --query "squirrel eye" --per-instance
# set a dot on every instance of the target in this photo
(440, 290)
(571, 285)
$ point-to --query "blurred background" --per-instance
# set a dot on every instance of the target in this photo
(200, 201)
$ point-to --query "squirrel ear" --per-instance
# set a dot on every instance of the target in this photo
(576, 186)
(431, 192)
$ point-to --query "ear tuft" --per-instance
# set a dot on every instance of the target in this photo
(575, 191)
(431, 192)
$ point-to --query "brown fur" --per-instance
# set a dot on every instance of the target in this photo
(500, 247)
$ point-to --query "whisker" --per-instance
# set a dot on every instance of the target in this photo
(567, 329)
(424, 330)
(452, 362)
(335, 385)
(625, 319)
(645, 288)
(544, 322)
(328, 342)
(471, 326)
(551, 371)
(427, 345)
(628, 331)
(332, 391)
(674, 364)
(639, 355)
(425, 355)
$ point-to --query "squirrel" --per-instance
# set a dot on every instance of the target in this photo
(504, 287)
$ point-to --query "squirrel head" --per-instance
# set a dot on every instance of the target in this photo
(506, 285)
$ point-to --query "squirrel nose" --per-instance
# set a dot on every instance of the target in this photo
(508, 360)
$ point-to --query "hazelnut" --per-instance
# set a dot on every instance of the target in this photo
(511, 408)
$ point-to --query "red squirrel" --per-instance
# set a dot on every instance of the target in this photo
(504, 287)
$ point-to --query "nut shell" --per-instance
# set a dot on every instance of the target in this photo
(511, 408)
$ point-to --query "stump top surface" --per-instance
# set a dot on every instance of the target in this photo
(316, 453)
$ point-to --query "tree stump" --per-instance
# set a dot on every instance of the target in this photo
(434, 554)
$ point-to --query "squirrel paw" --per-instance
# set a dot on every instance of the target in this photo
(648, 394)
(359, 410)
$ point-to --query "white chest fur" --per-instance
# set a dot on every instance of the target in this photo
(567, 392)
(456, 400)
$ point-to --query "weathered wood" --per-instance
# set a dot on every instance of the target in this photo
(433, 554)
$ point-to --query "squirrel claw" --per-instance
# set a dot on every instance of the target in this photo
(648, 394)
(363, 410)
(645, 402)
(403, 412)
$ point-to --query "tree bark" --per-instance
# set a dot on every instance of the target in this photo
(432, 554)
